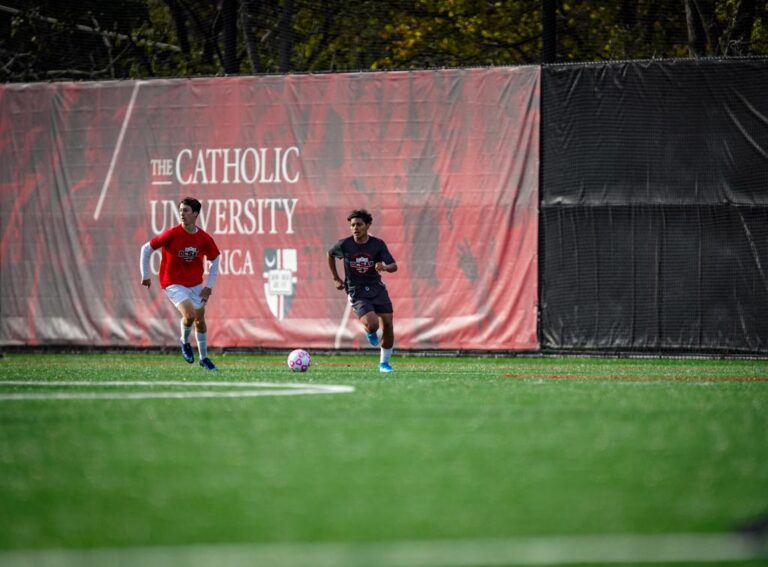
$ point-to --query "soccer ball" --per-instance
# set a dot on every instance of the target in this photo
(299, 360)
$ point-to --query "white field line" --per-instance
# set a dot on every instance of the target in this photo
(216, 390)
(536, 550)
(118, 145)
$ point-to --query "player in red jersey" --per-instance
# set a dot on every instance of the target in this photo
(365, 259)
(181, 275)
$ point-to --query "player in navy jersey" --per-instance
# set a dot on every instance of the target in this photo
(365, 259)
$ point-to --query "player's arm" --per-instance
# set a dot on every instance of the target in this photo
(384, 267)
(337, 281)
(387, 262)
(213, 273)
(146, 250)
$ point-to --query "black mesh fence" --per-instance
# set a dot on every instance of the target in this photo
(654, 209)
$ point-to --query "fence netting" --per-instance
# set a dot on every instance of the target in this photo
(654, 213)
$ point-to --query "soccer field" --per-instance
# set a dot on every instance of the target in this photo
(142, 459)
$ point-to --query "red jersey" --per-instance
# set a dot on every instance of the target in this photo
(182, 261)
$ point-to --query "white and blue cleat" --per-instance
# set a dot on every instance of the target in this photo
(373, 339)
(385, 367)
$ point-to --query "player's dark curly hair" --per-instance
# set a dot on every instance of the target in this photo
(361, 214)
(193, 204)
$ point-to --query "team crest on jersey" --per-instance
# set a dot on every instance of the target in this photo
(188, 254)
(280, 267)
(361, 262)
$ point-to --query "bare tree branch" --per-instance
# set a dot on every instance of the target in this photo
(737, 38)
(247, 8)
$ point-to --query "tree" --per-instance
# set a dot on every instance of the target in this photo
(437, 33)
(723, 29)
(472, 32)
(53, 40)
(99, 39)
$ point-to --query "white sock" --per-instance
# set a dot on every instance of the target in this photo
(185, 332)
(202, 345)
(386, 354)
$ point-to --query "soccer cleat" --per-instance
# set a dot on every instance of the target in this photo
(186, 352)
(373, 339)
(207, 363)
(385, 367)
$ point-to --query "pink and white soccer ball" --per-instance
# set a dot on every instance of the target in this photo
(299, 360)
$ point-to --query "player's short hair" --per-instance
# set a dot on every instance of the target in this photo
(361, 214)
(193, 204)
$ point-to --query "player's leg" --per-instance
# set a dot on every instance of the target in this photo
(371, 325)
(387, 330)
(366, 315)
(385, 314)
(387, 341)
(179, 296)
(201, 334)
(187, 311)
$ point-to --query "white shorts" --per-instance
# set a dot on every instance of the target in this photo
(181, 293)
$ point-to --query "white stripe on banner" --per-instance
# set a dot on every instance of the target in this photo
(118, 145)
(343, 324)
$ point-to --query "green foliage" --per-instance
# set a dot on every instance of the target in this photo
(46, 39)
(56, 40)
(464, 33)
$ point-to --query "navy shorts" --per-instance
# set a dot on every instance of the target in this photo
(379, 303)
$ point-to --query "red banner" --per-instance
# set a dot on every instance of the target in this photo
(446, 161)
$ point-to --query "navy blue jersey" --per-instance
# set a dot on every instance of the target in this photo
(360, 275)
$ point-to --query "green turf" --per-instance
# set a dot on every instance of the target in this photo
(446, 448)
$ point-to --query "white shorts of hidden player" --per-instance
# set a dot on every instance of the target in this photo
(181, 293)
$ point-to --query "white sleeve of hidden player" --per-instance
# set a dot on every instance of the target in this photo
(213, 272)
(146, 250)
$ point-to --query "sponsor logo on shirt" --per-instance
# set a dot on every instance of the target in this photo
(188, 254)
(361, 263)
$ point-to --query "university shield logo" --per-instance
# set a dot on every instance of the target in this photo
(280, 267)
